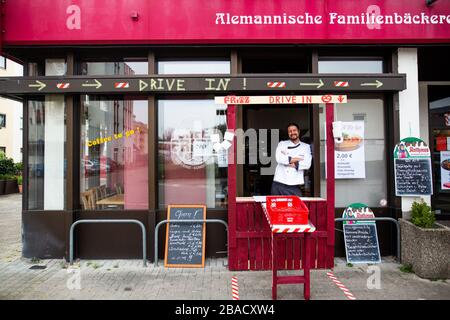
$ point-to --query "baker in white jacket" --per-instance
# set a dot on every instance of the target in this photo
(293, 158)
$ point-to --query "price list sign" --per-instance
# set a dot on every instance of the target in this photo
(349, 151)
(412, 165)
(185, 242)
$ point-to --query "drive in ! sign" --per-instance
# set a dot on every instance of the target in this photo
(225, 21)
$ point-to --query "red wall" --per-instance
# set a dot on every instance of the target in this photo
(194, 21)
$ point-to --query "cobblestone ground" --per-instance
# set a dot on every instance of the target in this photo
(127, 279)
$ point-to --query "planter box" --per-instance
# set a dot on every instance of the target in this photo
(2, 186)
(427, 250)
(11, 186)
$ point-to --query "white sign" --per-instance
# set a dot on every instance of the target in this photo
(326, 98)
(349, 151)
(445, 170)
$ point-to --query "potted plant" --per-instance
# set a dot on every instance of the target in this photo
(425, 243)
(19, 183)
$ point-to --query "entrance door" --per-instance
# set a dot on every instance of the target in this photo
(439, 119)
(264, 127)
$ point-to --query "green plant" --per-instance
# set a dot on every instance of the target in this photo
(19, 180)
(35, 260)
(421, 215)
(6, 164)
(350, 265)
(406, 268)
(18, 167)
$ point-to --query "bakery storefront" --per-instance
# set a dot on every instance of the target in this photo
(120, 114)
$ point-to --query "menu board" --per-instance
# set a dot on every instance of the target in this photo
(185, 242)
(361, 243)
(412, 166)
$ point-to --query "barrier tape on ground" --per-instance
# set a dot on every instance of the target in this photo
(341, 286)
(235, 288)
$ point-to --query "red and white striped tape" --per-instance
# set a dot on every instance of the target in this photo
(341, 286)
(276, 84)
(62, 85)
(341, 83)
(235, 288)
(291, 229)
(121, 85)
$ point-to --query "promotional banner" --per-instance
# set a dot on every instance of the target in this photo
(412, 166)
(445, 170)
(349, 151)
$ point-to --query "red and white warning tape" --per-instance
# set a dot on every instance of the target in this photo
(341, 83)
(291, 229)
(341, 286)
(235, 288)
(276, 84)
(120, 85)
(62, 85)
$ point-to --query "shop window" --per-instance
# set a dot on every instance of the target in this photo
(350, 65)
(2, 62)
(114, 68)
(46, 153)
(114, 153)
(193, 67)
(2, 120)
(371, 188)
(189, 171)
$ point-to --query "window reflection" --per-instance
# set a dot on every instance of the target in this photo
(114, 68)
(114, 157)
(190, 171)
(350, 66)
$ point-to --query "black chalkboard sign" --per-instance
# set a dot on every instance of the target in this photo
(185, 242)
(413, 177)
(361, 243)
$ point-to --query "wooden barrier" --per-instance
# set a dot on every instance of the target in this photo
(252, 239)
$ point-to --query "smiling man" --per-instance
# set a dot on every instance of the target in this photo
(293, 158)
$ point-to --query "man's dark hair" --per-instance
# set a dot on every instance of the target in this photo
(292, 124)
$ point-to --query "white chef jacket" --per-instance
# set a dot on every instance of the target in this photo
(285, 151)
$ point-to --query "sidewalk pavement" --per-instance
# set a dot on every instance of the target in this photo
(22, 278)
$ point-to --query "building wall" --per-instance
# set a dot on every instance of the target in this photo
(11, 135)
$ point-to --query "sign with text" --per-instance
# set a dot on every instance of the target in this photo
(361, 240)
(280, 99)
(349, 151)
(224, 21)
(412, 166)
(445, 170)
(185, 242)
(361, 243)
(275, 84)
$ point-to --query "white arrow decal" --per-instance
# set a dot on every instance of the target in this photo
(39, 85)
(377, 84)
(319, 84)
(97, 84)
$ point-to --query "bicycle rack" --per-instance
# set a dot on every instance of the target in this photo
(144, 238)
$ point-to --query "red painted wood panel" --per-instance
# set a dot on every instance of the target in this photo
(253, 233)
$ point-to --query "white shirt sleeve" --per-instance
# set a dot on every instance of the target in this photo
(305, 164)
(280, 156)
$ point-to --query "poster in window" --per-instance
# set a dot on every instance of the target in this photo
(349, 152)
(445, 170)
